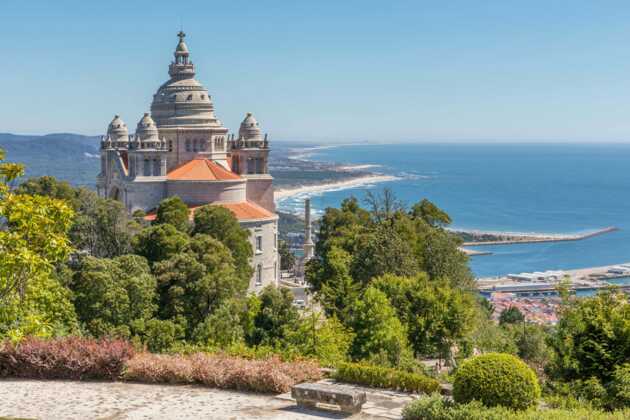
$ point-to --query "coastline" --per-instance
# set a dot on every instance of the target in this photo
(333, 186)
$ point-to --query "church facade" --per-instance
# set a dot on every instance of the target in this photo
(182, 149)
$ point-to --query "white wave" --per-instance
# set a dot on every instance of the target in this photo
(306, 191)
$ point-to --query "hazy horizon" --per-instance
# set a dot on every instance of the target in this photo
(354, 71)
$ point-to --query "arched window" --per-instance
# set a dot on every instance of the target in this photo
(195, 145)
(147, 167)
(188, 145)
(170, 145)
(259, 275)
(156, 167)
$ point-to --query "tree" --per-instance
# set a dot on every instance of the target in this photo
(173, 211)
(276, 317)
(193, 284)
(377, 328)
(436, 315)
(430, 213)
(592, 337)
(223, 327)
(531, 342)
(33, 240)
(340, 291)
(100, 226)
(113, 294)
(160, 242)
(325, 339)
(387, 240)
(383, 251)
(221, 224)
(287, 259)
(49, 186)
(511, 315)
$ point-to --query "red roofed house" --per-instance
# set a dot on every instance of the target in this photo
(182, 149)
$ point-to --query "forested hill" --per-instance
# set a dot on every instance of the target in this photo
(72, 157)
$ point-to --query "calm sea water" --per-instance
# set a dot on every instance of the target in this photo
(516, 188)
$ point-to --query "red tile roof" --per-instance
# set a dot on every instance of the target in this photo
(201, 170)
(243, 211)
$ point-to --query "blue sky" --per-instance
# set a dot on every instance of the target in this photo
(329, 70)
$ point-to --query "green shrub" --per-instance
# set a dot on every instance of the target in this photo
(591, 391)
(380, 377)
(160, 335)
(619, 389)
(496, 379)
(437, 408)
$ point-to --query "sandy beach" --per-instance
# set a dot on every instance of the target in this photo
(340, 185)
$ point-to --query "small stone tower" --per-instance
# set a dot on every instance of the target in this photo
(147, 153)
(250, 159)
(309, 246)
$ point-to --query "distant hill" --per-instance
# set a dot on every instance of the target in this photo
(72, 157)
(76, 158)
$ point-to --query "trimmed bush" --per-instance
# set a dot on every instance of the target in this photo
(380, 377)
(436, 408)
(64, 358)
(221, 371)
(496, 379)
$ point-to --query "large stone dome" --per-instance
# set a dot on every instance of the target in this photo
(182, 100)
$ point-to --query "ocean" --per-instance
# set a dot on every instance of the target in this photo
(529, 188)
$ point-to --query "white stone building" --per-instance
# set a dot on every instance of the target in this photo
(182, 149)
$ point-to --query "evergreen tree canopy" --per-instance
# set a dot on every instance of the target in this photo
(173, 211)
(221, 224)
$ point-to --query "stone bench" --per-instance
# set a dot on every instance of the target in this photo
(348, 400)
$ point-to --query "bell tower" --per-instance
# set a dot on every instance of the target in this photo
(250, 159)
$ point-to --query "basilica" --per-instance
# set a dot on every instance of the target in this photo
(182, 149)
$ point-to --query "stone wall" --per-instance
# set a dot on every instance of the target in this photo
(204, 192)
(267, 257)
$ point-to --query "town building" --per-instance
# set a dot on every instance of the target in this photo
(182, 149)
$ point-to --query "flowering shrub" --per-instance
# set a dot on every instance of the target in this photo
(64, 358)
(221, 371)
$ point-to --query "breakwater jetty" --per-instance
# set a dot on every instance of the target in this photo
(515, 238)
(546, 283)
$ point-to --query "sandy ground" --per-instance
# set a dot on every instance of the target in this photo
(70, 400)
(318, 188)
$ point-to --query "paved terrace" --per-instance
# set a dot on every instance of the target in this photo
(69, 400)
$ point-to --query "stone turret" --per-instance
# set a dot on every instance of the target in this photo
(147, 152)
(250, 157)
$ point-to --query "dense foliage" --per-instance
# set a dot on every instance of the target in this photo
(437, 408)
(496, 379)
(221, 224)
(380, 377)
(112, 296)
(592, 338)
(33, 241)
(175, 212)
